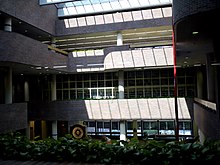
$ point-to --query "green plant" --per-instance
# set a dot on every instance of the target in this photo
(16, 146)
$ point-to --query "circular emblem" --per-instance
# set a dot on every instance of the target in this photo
(77, 132)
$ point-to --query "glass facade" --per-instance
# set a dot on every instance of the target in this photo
(157, 83)
(144, 127)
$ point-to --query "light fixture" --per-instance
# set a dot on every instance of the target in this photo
(195, 32)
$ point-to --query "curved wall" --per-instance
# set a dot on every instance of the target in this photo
(31, 12)
(185, 8)
(21, 49)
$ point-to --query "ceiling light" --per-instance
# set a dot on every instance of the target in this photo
(195, 32)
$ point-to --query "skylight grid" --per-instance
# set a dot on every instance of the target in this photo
(96, 6)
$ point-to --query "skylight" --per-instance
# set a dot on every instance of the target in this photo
(86, 7)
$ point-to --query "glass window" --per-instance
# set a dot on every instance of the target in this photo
(132, 93)
(139, 82)
(148, 92)
(131, 82)
(156, 92)
(79, 94)
(181, 91)
(65, 85)
(65, 94)
(59, 95)
(94, 84)
(147, 82)
(115, 126)
(140, 92)
(93, 93)
(108, 83)
(86, 94)
(164, 81)
(86, 84)
(72, 94)
(72, 85)
(100, 83)
(101, 93)
(59, 85)
(108, 93)
(164, 92)
(155, 81)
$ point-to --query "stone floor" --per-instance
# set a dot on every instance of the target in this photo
(14, 162)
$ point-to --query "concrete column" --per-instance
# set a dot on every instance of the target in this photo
(135, 127)
(53, 88)
(8, 87)
(43, 129)
(122, 131)
(28, 130)
(54, 130)
(210, 78)
(26, 91)
(199, 84)
(121, 84)
(119, 39)
(8, 24)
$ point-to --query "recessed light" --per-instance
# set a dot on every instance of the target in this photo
(195, 32)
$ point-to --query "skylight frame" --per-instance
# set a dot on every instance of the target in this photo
(88, 7)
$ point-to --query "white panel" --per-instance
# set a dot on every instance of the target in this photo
(108, 64)
(160, 57)
(183, 109)
(73, 22)
(89, 110)
(90, 20)
(157, 13)
(147, 14)
(115, 113)
(144, 109)
(124, 109)
(165, 108)
(108, 18)
(137, 15)
(105, 109)
(99, 19)
(134, 109)
(127, 59)
(154, 108)
(169, 55)
(138, 58)
(149, 57)
(96, 111)
(167, 12)
(117, 17)
(117, 60)
(127, 16)
(81, 21)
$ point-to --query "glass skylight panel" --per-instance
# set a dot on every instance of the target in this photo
(144, 3)
(86, 2)
(97, 7)
(106, 6)
(69, 4)
(154, 2)
(89, 8)
(80, 9)
(65, 11)
(165, 1)
(115, 5)
(134, 3)
(124, 3)
(72, 10)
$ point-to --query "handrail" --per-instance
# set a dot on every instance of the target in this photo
(205, 103)
(57, 50)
